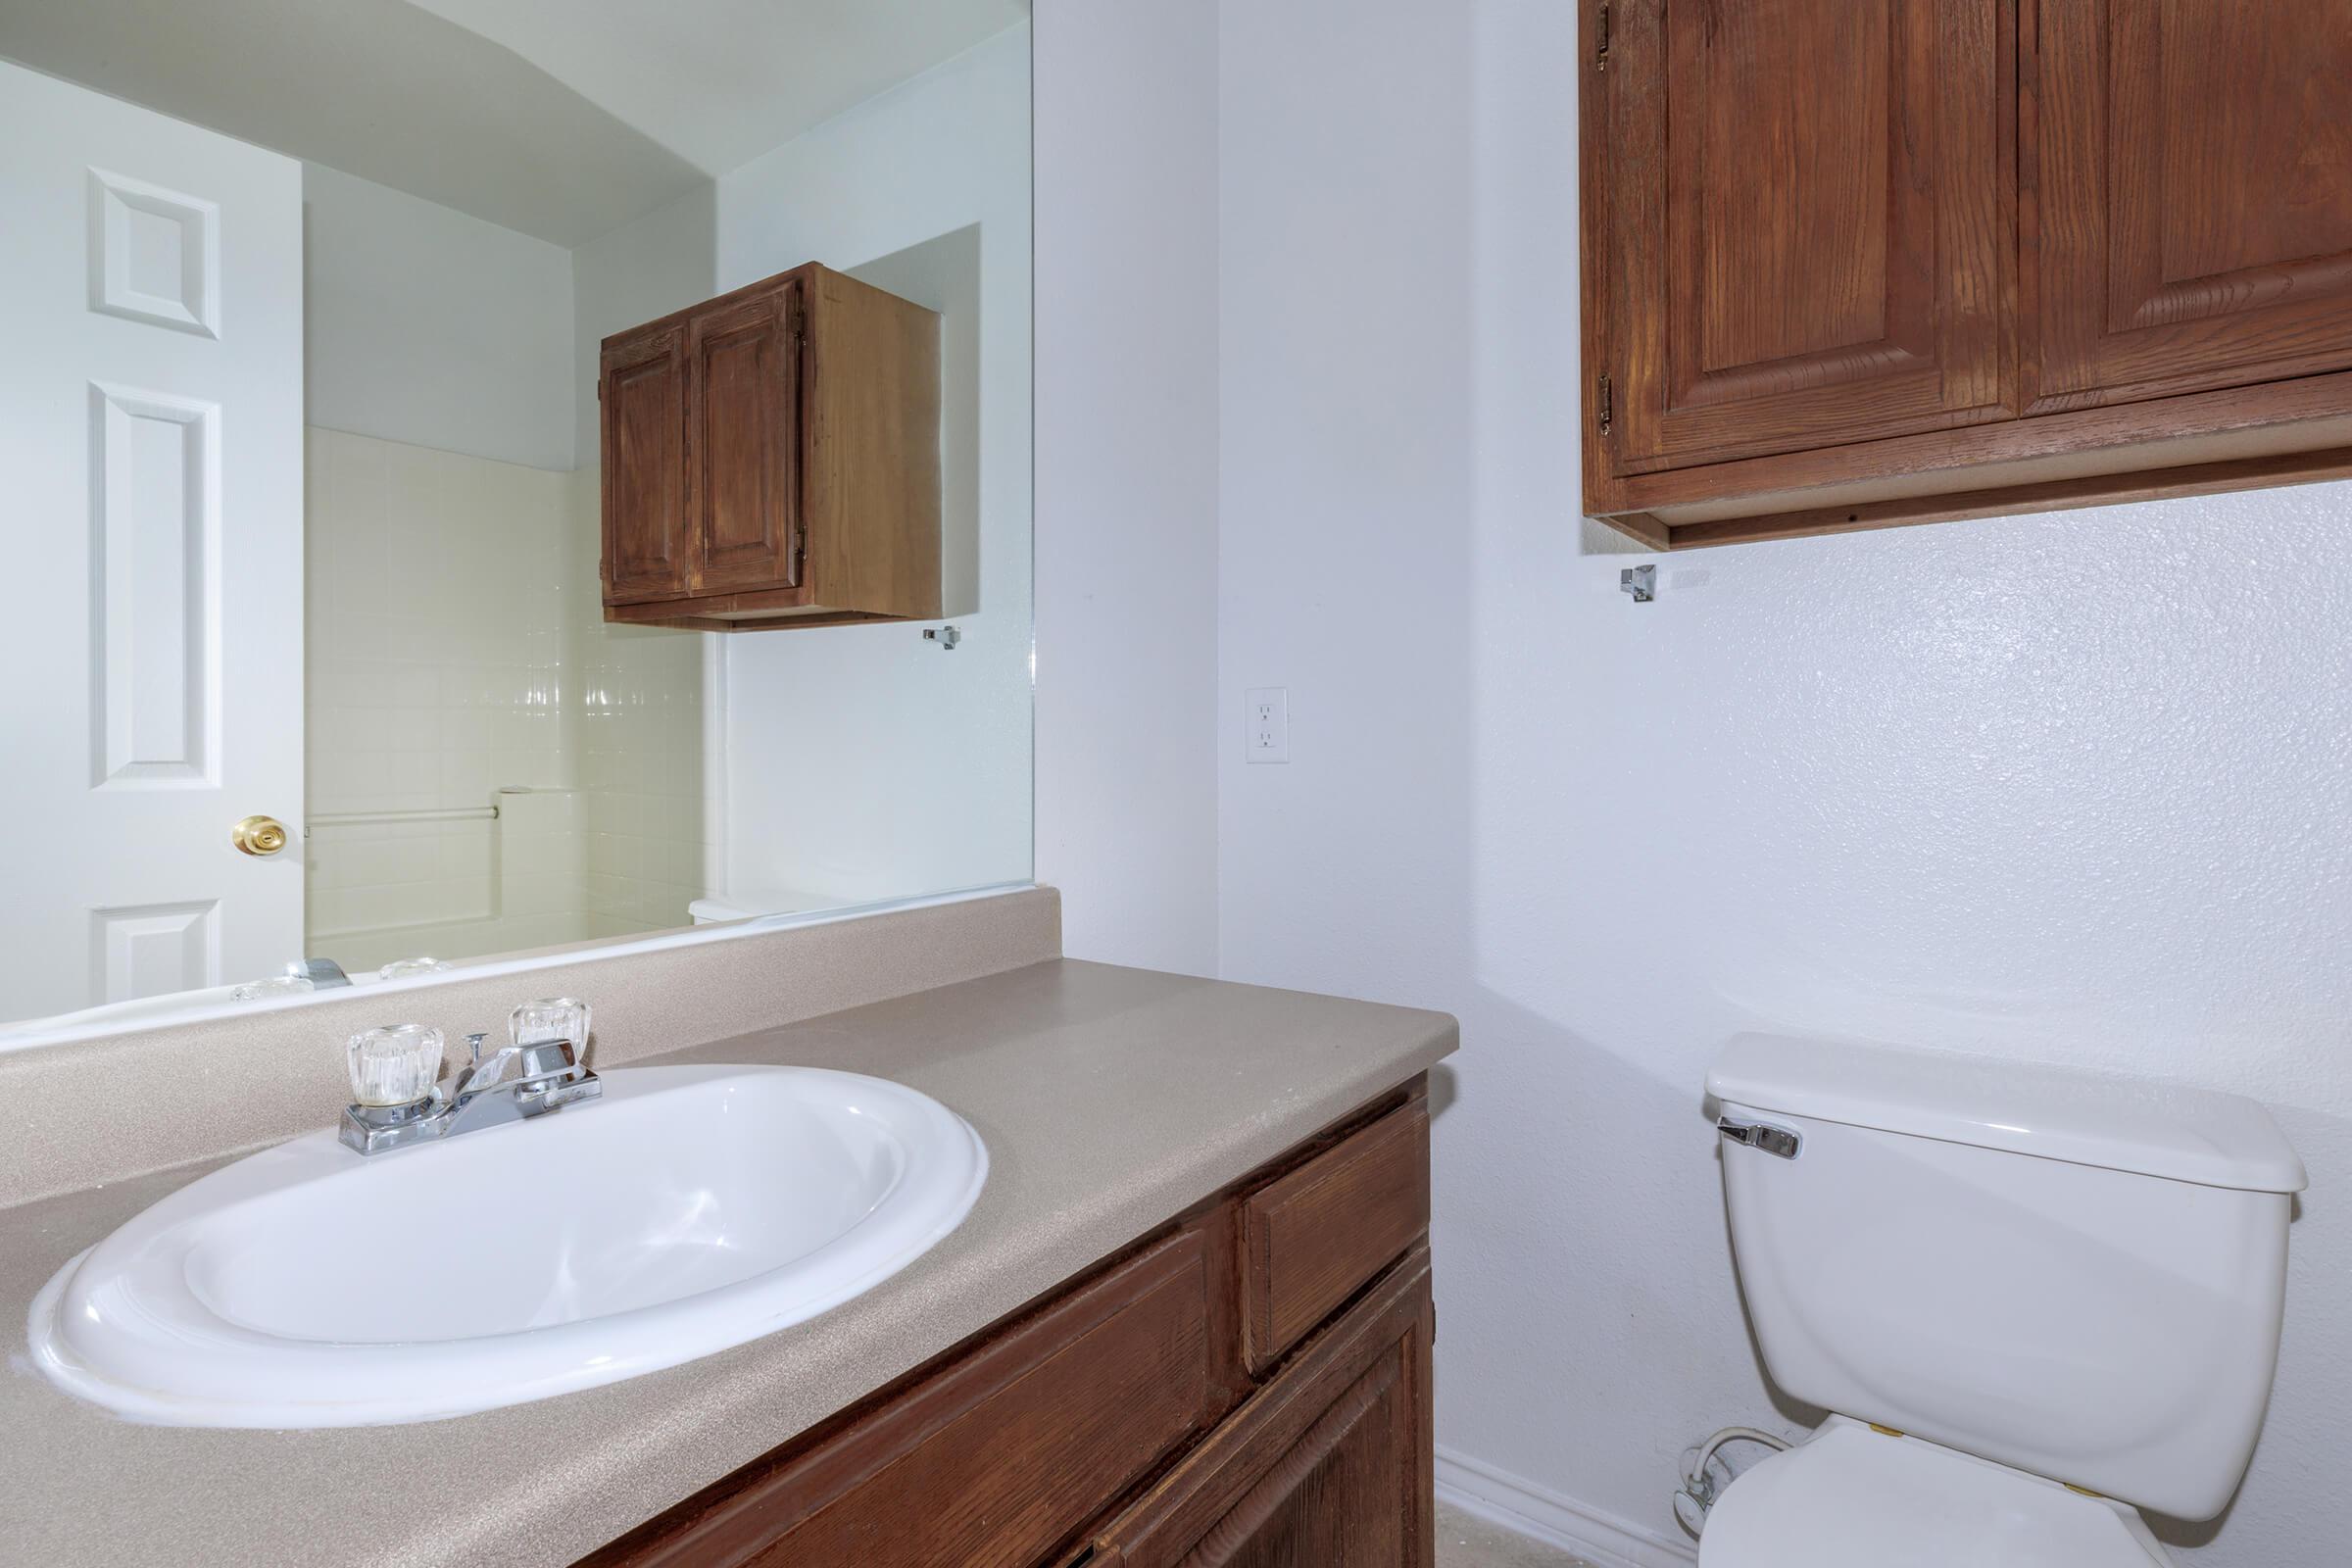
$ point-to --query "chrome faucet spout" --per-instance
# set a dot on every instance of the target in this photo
(322, 973)
(480, 1076)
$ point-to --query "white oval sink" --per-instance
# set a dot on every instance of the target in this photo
(691, 1210)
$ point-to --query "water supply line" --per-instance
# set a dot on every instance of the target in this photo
(1700, 1488)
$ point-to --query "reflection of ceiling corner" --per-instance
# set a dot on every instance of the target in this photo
(560, 123)
(721, 82)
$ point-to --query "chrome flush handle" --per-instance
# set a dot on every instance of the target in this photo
(1779, 1142)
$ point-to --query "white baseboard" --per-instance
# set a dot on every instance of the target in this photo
(1501, 1498)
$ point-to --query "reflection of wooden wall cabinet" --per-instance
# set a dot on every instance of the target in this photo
(642, 392)
(770, 458)
(1897, 261)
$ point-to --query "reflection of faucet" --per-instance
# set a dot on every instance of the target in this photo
(548, 1074)
(319, 972)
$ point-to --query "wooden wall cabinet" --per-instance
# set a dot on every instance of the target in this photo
(1896, 260)
(770, 458)
(1133, 1418)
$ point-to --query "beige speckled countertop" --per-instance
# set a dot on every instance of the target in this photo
(1111, 1099)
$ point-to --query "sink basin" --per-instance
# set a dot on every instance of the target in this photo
(692, 1209)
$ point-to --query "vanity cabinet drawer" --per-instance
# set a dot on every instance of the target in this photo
(1314, 1237)
(993, 1463)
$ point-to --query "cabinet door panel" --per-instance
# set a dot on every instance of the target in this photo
(995, 1461)
(647, 552)
(745, 437)
(1337, 1497)
(1811, 213)
(2192, 214)
(1329, 1463)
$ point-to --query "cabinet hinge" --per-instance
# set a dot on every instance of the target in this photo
(1608, 405)
(1600, 51)
(796, 322)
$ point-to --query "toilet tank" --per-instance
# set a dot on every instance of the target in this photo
(2074, 1275)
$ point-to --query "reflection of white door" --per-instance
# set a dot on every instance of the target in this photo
(151, 519)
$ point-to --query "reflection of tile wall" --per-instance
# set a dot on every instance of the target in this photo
(641, 735)
(438, 589)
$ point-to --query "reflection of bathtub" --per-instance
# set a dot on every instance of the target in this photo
(714, 908)
(453, 883)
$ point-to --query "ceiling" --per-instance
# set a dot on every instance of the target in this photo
(556, 118)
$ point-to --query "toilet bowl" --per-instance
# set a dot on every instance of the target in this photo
(2035, 1299)
(1855, 1497)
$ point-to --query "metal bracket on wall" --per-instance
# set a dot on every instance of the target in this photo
(945, 636)
(1639, 581)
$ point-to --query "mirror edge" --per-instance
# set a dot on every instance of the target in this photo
(66, 1028)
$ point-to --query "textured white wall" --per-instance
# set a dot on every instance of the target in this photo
(1127, 477)
(425, 326)
(2071, 788)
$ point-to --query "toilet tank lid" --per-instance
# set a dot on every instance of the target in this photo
(2130, 1124)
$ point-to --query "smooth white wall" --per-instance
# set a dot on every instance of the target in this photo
(651, 791)
(1127, 477)
(852, 762)
(424, 325)
(864, 761)
(625, 276)
(2071, 788)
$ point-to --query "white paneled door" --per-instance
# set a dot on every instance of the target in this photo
(151, 645)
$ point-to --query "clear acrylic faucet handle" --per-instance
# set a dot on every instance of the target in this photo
(536, 1023)
(396, 1064)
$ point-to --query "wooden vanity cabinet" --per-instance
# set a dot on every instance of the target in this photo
(1130, 1418)
(770, 458)
(1896, 260)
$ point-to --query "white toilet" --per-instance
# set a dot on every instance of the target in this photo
(2033, 1298)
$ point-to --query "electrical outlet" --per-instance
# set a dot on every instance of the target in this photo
(1267, 739)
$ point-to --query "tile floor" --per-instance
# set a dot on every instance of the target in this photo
(1467, 1542)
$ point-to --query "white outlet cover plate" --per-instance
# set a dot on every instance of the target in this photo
(1266, 724)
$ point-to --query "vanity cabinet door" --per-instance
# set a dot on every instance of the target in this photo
(643, 385)
(1810, 219)
(994, 1462)
(744, 434)
(1329, 1463)
(2194, 194)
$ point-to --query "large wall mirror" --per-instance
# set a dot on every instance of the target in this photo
(309, 660)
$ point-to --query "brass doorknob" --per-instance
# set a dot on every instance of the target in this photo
(259, 835)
